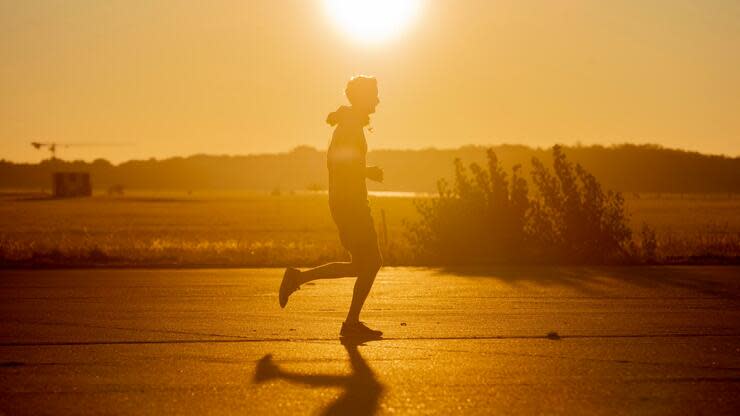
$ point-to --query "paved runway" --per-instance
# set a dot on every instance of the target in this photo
(514, 340)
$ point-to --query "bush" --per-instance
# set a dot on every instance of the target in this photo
(648, 244)
(485, 217)
(573, 219)
(481, 218)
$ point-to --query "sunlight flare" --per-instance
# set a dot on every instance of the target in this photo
(372, 21)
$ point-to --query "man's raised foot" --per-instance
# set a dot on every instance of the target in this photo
(288, 285)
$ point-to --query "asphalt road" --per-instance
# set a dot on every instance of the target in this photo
(660, 340)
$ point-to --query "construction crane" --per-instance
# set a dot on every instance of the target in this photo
(51, 146)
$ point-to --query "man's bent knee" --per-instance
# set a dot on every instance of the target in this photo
(375, 262)
(369, 264)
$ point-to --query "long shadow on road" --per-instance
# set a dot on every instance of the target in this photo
(362, 390)
(715, 281)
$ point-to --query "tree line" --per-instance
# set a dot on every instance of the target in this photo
(627, 168)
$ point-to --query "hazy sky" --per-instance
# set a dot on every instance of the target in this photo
(162, 78)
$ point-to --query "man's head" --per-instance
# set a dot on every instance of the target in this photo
(362, 93)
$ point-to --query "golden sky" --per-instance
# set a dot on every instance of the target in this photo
(164, 78)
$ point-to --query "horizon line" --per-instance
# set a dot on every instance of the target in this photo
(395, 149)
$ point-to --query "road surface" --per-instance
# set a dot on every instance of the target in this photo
(663, 340)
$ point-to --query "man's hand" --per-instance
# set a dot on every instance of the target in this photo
(374, 173)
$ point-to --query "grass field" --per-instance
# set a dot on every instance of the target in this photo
(243, 229)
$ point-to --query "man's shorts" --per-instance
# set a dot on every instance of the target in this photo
(356, 230)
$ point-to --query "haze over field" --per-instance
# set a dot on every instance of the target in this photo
(235, 77)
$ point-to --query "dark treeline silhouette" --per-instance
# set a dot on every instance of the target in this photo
(626, 168)
(489, 216)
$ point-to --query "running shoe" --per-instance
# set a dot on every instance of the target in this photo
(359, 329)
(288, 285)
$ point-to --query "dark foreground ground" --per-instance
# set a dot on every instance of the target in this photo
(621, 341)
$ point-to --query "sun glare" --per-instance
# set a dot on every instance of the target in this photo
(372, 21)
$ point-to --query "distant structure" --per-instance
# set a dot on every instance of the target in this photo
(51, 146)
(116, 190)
(66, 184)
(71, 185)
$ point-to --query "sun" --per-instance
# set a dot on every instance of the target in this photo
(372, 21)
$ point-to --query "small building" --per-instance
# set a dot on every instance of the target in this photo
(71, 184)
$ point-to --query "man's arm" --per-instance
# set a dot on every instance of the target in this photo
(374, 173)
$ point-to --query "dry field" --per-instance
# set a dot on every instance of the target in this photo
(689, 226)
(168, 228)
(247, 229)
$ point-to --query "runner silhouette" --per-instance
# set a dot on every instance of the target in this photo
(349, 205)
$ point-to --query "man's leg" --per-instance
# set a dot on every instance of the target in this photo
(367, 270)
(328, 271)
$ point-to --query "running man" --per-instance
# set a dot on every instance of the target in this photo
(349, 205)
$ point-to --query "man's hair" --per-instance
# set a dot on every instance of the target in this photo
(360, 86)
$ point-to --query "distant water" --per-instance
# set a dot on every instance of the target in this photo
(400, 194)
(380, 194)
